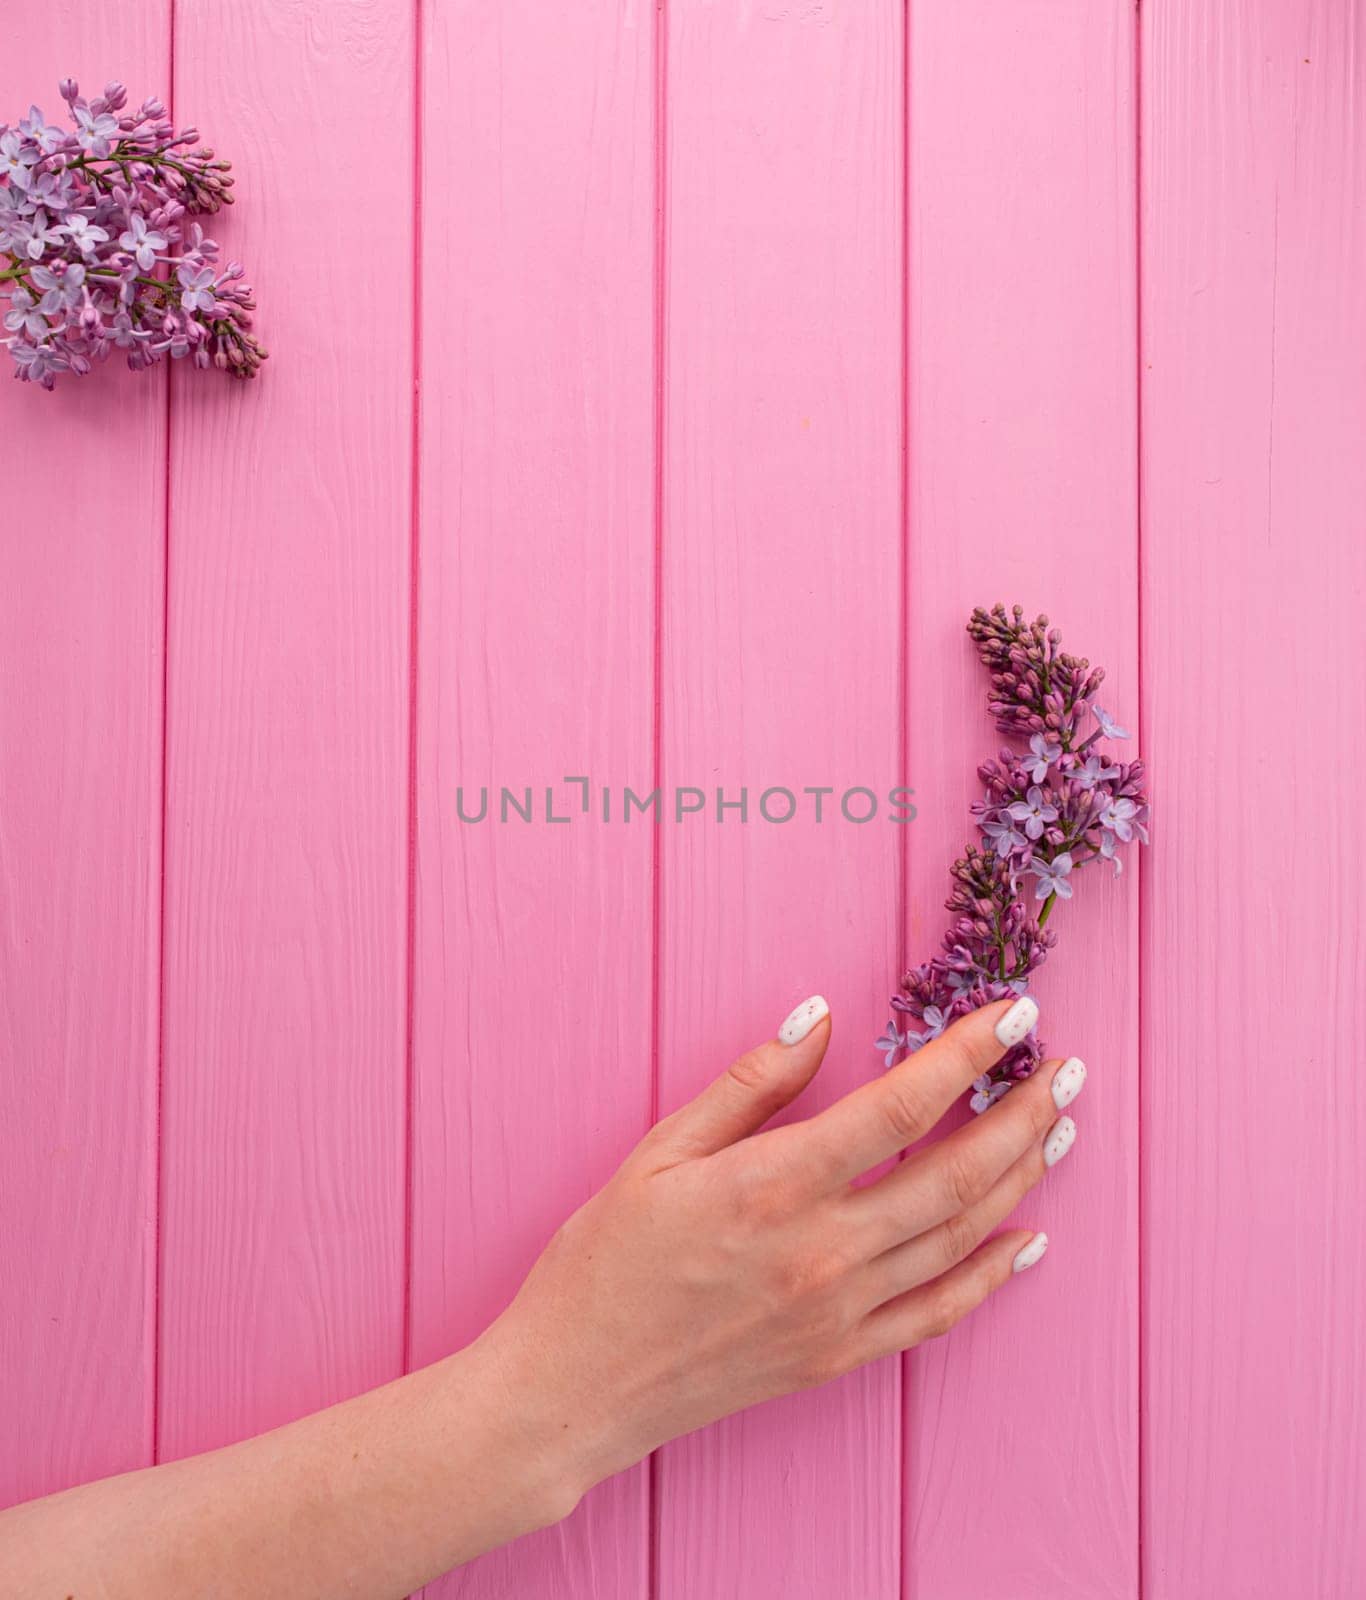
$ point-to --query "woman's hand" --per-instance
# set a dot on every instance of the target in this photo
(723, 1265)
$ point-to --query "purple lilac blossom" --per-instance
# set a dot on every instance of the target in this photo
(1044, 752)
(1108, 726)
(1034, 811)
(892, 1042)
(1046, 814)
(1053, 877)
(99, 250)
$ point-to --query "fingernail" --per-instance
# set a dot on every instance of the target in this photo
(1061, 1137)
(1017, 1022)
(1031, 1254)
(1068, 1082)
(802, 1019)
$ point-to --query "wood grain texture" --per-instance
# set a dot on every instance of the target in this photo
(1022, 1428)
(1254, 1115)
(534, 943)
(782, 602)
(81, 609)
(286, 807)
(772, 134)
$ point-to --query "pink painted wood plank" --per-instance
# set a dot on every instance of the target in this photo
(286, 866)
(533, 944)
(1254, 1114)
(81, 607)
(1021, 1434)
(782, 555)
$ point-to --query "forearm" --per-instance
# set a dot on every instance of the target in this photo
(370, 1498)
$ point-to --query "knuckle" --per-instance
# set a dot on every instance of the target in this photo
(749, 1071)
(809, 1272)
(758, 1199)
(959, 1236)
(822, 1366)
(903, 1106)
(944, 1312)
(832, 1351)
(962, 1178)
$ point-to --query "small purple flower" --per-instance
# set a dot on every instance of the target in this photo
(95, 130)
(142, 242)
(1108, 726)
(1045, 752)
(24, 317)
(197, 289)
(35, 127)
(61, 290)
(36, 237)
(1118, 816)
(83, 233)
(123, 333)
(1092, 772)
(936, 1019)
(1109, 851)
(14, 219)
(1004, 838)
(1034, 812)
(18, 157)
(892, 1043)
(987, 1091)
(37, 363)
(1053, 877)
(53, 191)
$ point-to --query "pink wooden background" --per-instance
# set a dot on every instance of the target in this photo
(656, 385)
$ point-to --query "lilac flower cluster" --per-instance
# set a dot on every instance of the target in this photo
(1047, 812)
(97, 251)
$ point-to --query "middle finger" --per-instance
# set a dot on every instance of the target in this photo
(951, 1175)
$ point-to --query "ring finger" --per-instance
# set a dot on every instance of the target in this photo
(930, 1254)
(944, 1179)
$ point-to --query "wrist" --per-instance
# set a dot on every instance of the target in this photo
(538, 1446)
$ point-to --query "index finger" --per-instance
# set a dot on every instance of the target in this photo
(880, 1119)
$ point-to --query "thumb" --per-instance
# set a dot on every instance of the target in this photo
(752, 1089)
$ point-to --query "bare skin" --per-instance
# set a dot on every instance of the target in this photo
(721, 1265)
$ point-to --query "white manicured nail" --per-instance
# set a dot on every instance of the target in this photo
(1017, 1022)
(1068, 1082)
(1061, 1137)
(1031, 1254)
(802, 1019)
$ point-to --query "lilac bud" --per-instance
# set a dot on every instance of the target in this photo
(69, 89)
